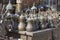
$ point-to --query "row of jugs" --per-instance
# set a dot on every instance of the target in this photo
(33, 24)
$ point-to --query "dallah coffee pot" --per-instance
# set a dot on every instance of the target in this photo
(30, 26)
(21, 26)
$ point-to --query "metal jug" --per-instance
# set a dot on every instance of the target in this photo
(30, 26)
(21, 26)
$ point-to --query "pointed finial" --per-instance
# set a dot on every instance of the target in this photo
(9, 1)
(28, 10)
(33, 7)
(9, 6)
(34, 4)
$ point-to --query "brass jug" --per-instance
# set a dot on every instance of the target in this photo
(21, 26)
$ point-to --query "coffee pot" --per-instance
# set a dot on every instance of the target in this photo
(30, 26)
(21, 26)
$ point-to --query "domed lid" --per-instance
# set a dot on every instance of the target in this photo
(47, 6)
(33, 7)
(9, 6)
(28, 10)
(29, 19)
(22, 17)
